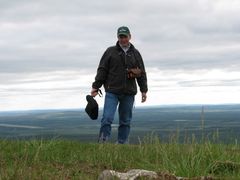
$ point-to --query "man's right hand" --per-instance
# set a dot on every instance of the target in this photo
(94, 92)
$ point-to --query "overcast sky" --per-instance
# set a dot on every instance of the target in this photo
(50, 50)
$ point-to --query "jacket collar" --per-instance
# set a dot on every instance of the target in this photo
(120, 49)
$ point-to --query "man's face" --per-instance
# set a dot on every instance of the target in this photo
(124, 40)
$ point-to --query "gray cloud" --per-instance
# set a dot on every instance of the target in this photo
(56, 35)
(201, 83)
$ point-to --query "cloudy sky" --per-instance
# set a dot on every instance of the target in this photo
(50, 49)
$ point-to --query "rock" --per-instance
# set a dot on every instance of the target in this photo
(136, 174)
(130, 175)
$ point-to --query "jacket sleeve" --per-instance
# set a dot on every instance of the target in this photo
(142, 81)
(102, 71)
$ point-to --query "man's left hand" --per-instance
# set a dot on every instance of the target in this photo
(144, 97)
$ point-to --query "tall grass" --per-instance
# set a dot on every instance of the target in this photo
(63, 159)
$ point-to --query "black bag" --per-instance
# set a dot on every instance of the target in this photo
(92, 107)
(134, 73)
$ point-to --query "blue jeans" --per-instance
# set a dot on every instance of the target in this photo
(125, 106)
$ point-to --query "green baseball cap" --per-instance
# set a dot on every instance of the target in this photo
(123, 30)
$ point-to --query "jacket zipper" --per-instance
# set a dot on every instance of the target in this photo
(125, 76)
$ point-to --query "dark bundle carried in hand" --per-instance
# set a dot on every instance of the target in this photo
(92, 107)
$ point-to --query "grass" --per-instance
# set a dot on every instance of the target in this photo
(65, 159)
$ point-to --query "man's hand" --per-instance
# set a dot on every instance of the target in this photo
(94, 92)
(144, 97)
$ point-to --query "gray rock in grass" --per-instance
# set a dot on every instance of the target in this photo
(130, 175)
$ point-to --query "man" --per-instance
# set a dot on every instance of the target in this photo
(119, 69)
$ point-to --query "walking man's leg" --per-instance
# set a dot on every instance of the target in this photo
(110, 106)
(125, 117)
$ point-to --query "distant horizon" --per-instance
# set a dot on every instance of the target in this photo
(100, 108)
(163, 120)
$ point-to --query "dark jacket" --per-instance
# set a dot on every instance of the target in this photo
(112, 71)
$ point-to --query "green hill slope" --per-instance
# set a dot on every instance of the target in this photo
(61, 159)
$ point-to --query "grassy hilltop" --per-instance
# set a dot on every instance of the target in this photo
(64, 159)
